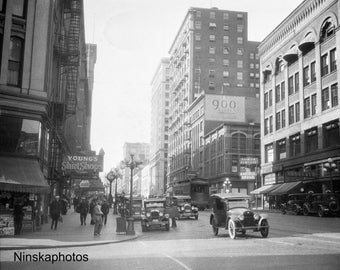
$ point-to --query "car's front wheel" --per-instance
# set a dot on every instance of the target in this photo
(264, 229)
(321, 213)
(232, 229)
(305, 211)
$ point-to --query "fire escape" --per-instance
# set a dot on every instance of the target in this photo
(64, 94)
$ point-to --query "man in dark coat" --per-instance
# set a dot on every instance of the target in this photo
(105, 209)
(18, 214)
(55, 209)
(83, 209)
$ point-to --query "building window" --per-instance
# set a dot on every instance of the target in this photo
(331, 134)
(15, 61)
(270, 98)
(226, 27)
(325, 99)
(297, 112)
(251, 55)
(290, 85)
(225, 39)
(269, 153)
(240, 28)
(277, 93)
(19, 8)
(306, 79)
(198, 13)
(257, 142)
(281, 149)
(197, 36)
(291, 114)
(295, 145)
(327, 29)
(240, 52)
(306, 107)
(211, 86)
(239, 76)
(266, 126)
(198, 24)
(332, 60)
(225, 74)
(238, 141)
(278, 121)
(313, 104)
(212, 15)
(324, 65)
(211, 60)
(283, 90)
(239, 64)
(251, 75)
(312, 72)
(311, 140)
(212, 50)
(283, 114)
(239, 16)
(251, 65)
(211, 37)
(225, 16)
(279, 65)
(297, 84)
(226, 62)
(226, 50)
(212, 26)
(211, 73)
(266, 100)
(239, 40)
(334, 95)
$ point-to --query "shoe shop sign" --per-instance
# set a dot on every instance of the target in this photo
(82, 164)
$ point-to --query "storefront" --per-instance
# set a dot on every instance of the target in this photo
(23, 195)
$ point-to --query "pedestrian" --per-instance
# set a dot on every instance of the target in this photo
(105, 209)
(55, 209)
(92, 205)
(83, 209)
(98, 218)
(75, 203)
(18, 215)
(173, 215)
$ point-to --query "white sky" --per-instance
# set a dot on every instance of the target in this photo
(132, 36)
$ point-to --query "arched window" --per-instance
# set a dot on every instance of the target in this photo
(327, 29)
(238, 141)
(15, 61)
(279, 65)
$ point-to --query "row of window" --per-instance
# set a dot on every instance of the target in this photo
(213, 26)
(212, 15)
(330, 136)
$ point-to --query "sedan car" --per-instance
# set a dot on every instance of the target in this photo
(232, 212)
(154, 215)
(185, 208)
(322, 204)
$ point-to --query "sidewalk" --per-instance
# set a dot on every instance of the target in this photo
(68, 234)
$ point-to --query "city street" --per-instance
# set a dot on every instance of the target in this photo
(294, 242)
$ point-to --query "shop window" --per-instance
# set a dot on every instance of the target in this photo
(295, 145)
(15, 61)
(331, 134)
(20, 136)
(311, 140)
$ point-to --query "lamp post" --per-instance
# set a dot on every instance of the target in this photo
(113, 175)
(227, 185)
(330, 166)
(132, 164)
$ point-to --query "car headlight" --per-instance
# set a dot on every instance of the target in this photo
(161, 214)
(148, 214)
(241, 217)
(182, 208)
(167, 215)
(256, 216)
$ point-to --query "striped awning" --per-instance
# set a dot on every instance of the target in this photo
(261, 190)
(285, 188)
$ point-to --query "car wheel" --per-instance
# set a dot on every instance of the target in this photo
(232, 229)
(215, 229)
(264, 229)
(305, 211)
(321, 213)
(144, 229)
(196, 217)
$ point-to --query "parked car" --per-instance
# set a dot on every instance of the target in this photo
(232, 212)
(185, 207)
(154, 215)
(322, 204)
(294, 204)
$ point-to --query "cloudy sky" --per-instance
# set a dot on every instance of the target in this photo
(132, 36)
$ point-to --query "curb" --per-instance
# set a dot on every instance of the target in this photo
(84, 244)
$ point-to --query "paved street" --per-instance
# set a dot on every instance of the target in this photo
(294, 242)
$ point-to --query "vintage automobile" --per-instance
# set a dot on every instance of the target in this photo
(322, 204)
(232, 212)
(185, 208)
(154, 215)
(137, 206)
(294, 204)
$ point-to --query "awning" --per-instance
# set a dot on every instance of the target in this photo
(307, 42)
(291, 55)
(261, 190)
(22, 175)
(267, 70)
(285, 188)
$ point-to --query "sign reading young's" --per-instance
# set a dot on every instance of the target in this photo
(82, 164)
(224, 108)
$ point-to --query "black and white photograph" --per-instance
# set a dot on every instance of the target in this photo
(169, 134)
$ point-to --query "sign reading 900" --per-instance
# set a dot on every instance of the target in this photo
(224, 108)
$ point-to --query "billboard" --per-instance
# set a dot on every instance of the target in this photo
(80, 164)
(225, 108)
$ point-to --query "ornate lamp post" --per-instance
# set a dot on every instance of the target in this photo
(227, 185)
(113, 175)
(330, 166)
(132, 164)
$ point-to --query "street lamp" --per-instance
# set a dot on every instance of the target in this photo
(132, 164)
(111, 176)
(330, 166)
(227, 185)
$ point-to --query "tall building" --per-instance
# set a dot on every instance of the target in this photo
(300, 109)
(213, 68)
(43, 100)
(141, 152)
(159, 127)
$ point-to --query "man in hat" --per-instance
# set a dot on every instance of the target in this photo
(83, 209)
(55, 209)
